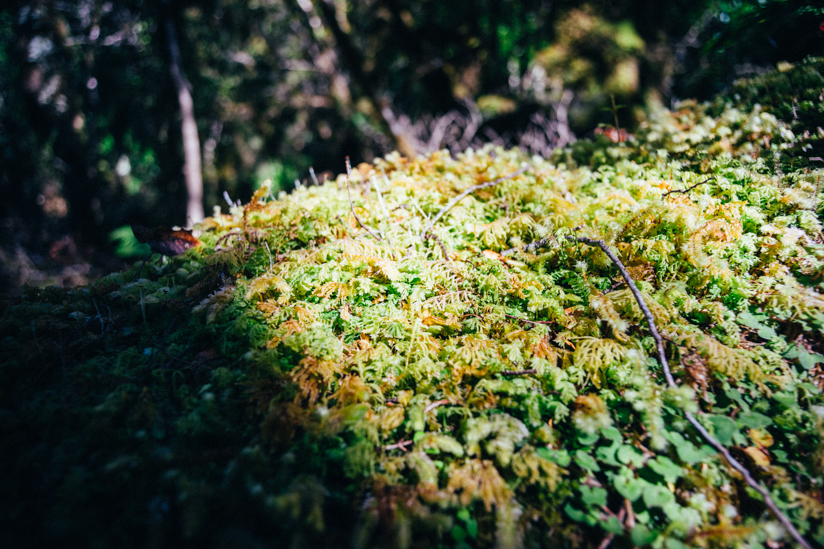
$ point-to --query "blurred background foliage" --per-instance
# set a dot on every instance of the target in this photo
(90, 136)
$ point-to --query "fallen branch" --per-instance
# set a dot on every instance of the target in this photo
(467, 192)
(688, 189)
(351, 206)
(662, 358)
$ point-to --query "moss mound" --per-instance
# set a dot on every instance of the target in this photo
(405, 371)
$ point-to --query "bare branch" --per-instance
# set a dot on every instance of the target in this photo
(688, 189)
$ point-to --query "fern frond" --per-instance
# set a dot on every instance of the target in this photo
(594, 356)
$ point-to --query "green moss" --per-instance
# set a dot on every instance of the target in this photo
(297, 381)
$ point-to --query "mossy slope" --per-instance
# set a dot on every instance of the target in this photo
(299, 380)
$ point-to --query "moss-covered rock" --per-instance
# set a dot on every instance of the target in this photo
(373, 362)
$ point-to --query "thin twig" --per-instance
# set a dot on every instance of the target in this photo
(314, 177)
(234, 232)
(399, 445)
(659, 343)
(662, 357)
(688, 189)
(518, 372)
(431, 406)
(433, 236)
(349, 194)
(469, 191)
(380, 196)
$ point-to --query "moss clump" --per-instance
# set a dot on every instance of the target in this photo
(302, 380)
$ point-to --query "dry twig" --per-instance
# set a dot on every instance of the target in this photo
(688, 189)
(399, 445)
(433, 405)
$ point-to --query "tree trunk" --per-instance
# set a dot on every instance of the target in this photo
(191, 142)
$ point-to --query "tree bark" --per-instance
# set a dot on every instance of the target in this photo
(191, 142)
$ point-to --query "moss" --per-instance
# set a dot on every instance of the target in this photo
(300, 380)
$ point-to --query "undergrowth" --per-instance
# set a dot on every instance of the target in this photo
(301, 380)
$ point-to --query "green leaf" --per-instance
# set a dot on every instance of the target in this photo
(753, 420)
(628, 486)
(586, 461)
(627, 454)
(665, 467)
(588, 439)
(765, 332)
(750, 320)
(472, 528)
(559, 457)
(687, 451)
(613, 526)
(593, 496)
(573, 513)
(657, 495)
(673, 543)
(723, 427)
(808, 359)
(458, 533)
(606, 454)
(611, 433)
(641, 535)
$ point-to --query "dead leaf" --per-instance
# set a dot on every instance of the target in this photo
(761, 437)
(758, 456)
(166, 241)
